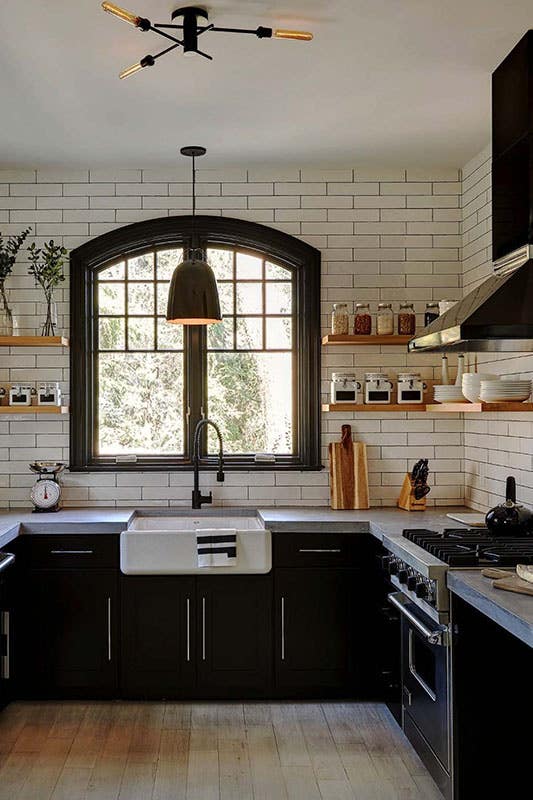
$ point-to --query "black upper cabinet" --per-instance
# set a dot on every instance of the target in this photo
(67, 633)
(158, 636)
(512, 198)
(512, 97)
(234, 635)
(512, 150)
(315, 631)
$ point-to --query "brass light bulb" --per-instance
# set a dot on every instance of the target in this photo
(302, 36)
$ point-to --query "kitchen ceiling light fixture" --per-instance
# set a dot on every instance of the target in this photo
(191, 29)
(193, 294)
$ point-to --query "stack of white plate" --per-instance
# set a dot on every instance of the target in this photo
(472, 384)
(448, 394)
(505, 391)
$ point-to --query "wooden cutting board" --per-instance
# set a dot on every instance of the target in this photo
(514, 584)
(348, 470)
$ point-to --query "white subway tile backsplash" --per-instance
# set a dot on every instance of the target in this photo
(379, 238)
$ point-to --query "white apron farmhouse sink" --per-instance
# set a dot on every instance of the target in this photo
(164, 545)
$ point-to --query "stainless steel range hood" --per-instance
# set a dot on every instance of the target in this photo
(495, 317)
(498, 315)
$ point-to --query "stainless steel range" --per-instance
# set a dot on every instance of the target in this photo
(417, 564)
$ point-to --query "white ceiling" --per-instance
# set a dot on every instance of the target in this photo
(384, 82)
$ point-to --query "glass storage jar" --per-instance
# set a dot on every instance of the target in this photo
(385, 320)
(340, 321)
(362, 325)
(431, 313)
(406, 320)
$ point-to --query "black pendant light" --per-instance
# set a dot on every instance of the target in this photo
(193, 295)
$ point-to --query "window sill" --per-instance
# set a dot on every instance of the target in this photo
(172, 466)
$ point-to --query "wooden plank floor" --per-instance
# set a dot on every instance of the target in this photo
(199, 751)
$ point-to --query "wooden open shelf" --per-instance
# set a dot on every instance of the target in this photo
(33, 341)
(476, 408)
(430, 408)
(342, 339)
(34, 410)
(385, 407)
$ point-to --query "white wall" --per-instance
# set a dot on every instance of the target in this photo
(496, 445)
(384, 235)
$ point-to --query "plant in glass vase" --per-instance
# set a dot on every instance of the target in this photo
(46, 266)
(8, 253)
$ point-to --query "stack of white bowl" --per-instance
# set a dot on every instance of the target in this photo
(505, 391)
(471, 385)
(448, 393)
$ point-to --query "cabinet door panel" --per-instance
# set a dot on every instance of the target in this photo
(315, 620)
(68, 632)
(234, 634)
(158, 623)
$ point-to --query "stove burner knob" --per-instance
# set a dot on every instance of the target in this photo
(393, 567)
(412, 582)
(421, 590)
(402, 575)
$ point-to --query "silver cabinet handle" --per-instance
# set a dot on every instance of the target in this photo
(6, 559)
(4, 631)
(203, 628)
(437, 636)
(188, 629)
(109, 629)
(283, 629)
(319, 550)
(71, 552)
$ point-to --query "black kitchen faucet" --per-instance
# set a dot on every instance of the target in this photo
(197, 497)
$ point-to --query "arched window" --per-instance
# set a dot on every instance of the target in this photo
(140, 384)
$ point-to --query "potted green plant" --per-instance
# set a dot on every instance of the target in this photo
(46, 266)
(8, 253)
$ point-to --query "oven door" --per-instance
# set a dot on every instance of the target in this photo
(425, 677)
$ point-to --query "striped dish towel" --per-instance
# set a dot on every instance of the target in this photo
(216, 547)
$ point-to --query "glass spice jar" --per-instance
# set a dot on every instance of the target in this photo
(340, 321)
(431, 313)
(385, 320)
(362, 325)
(406, 320)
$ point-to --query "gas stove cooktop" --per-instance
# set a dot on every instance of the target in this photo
(473, 547)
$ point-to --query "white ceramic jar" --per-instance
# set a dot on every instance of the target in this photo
(344, 387)
(410, 388)
(378, 388)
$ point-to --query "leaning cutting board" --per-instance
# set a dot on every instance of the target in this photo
(348, 470)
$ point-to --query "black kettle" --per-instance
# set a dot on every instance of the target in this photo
(510, 519)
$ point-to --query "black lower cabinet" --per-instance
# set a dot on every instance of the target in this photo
(158, 636)
(492, 672)
(67, 633)
(316, 644)
(6, 639)
(234, 635)
(196, 637)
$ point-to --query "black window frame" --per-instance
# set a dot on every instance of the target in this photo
(181, 231)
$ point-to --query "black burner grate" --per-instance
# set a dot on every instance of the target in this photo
(460, 547)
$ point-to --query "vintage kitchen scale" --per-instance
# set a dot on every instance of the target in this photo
(46, 492)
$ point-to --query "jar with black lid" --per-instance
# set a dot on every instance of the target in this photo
(431, 313)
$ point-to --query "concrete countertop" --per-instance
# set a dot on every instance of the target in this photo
(514, 612)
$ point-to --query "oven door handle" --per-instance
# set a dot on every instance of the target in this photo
(436, 636)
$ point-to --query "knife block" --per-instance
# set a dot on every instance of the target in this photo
(407, 499)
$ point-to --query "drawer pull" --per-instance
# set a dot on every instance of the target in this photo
(319, 550)
(71, 552)
(188, 629)
(283, 629)
(109, 651)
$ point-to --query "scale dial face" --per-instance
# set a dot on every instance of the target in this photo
(45, 494)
